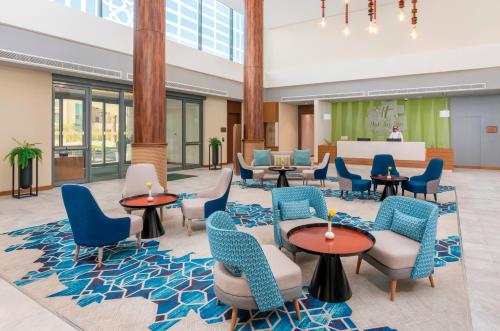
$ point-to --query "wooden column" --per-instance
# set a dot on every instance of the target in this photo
(253, 79)
(149, 144)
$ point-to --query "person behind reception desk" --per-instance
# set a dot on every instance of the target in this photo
(396, 134)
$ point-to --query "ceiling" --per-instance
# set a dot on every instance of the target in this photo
(284, 12)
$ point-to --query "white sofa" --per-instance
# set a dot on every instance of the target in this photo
(284, 153)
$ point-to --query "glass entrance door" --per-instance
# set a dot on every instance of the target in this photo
(69, 140)
(105, 135)
(192, 129)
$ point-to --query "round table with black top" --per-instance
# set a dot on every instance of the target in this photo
(152, 227)
(329, 282)
(282, 180)
(389, 184)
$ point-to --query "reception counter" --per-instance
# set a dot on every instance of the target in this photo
(404, 151)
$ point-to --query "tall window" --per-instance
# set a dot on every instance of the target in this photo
(182, 21)
(222, 28)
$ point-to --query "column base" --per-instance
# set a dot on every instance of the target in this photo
(249, 146)
(155, 154)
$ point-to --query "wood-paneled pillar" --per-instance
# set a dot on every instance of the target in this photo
(149, 144)
(253, 84)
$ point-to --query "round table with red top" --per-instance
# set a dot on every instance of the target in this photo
(329, 282)
(152, 227)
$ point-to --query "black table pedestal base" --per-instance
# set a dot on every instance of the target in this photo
(152, 227)
(282, 180)
(389, 190)
(329, 282)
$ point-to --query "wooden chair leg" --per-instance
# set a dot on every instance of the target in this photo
(435, 197)
(294, 257)
(297, 308)
(183, 221)
(100, 253)
(394, 284)
(190, 231)
(403, 192)
(139, 239)
(217, 301)
(431, 279)
(358, 265)
(77, 252)
(234, 318)
(425, 196)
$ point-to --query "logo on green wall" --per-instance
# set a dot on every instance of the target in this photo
(383, 118)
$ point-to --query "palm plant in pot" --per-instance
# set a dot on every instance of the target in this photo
(215, 143)
(23, 155)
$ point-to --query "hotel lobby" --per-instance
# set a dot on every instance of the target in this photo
(249, 165)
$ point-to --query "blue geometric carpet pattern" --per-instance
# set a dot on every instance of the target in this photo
(269, 184)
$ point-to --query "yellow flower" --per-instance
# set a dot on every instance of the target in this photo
(149, 185)
(390, 168)
(332, 212)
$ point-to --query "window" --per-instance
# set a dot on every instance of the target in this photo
(221, 32)
(216, 20)
(182, 21)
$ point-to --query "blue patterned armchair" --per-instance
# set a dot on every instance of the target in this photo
(270, 278)
(380, 166)
(90, 227)
(405, 234)
(428, 182)
(350, 182)
(208, 201)
(246, 172)
(292, 194)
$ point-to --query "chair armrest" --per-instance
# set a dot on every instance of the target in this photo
(433, 186)
(345, 184)
(206, 194)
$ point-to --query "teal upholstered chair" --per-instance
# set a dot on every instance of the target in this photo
(282, 196)
(405, 234)
(428, 182)
(247, 275)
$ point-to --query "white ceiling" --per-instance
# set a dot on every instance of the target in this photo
(284, 12)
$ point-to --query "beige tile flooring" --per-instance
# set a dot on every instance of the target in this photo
(478, 203)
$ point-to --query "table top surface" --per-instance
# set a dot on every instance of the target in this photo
(391, 179)
(348, 240)
(277, 168)
(141, 201)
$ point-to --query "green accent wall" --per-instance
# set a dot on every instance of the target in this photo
(419, 119)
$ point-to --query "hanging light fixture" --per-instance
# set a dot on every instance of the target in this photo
(414, 11)
(401, 10)
(445, 113)
(371, 28)
(375, 25)
(346, 28)
(323, 20)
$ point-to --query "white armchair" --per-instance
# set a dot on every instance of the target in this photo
(207, 201)
(135, 182)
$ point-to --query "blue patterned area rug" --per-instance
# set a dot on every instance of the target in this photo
(177, 286)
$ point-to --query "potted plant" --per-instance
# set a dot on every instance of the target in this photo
(23, 155)
(215, 143)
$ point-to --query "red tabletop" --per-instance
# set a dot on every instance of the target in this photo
(392, 179)
(282, 168)
(347, 241)
(141, 201)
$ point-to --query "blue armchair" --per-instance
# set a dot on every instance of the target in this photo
(318, 173)
(208, 201)
(291, 194)
(91, 228)
(271, 279)
(350, 182)
(428, 182)
(247, 172)
(405, 234)
(380, 166)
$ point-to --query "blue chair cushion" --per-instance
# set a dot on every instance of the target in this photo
(302, 157)
(361, 184)
(408, 226)
(293, 210)
(262, 158)
(415, 186)
(235, 271)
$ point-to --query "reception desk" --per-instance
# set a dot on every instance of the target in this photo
(402, 151)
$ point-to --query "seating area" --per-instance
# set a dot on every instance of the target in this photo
(249, 165)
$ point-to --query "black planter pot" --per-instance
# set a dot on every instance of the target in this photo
(215, 155)
(26, 175)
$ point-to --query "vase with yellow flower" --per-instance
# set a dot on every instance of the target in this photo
(389, 170)
(329, 234)
(149, 185)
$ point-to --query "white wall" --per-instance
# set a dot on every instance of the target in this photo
(45, 17)
(214, 118)
(453, 35)
(26, 111)
(323, 127)
(288, 127)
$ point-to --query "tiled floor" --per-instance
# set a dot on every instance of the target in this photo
(478, 203)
